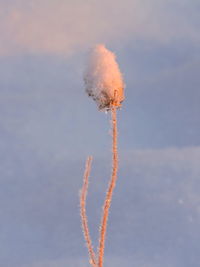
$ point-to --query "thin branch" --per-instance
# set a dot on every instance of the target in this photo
(111, 186)
(84, 220)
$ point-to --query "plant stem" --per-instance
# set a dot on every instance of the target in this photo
(111, 186)
(84, 220)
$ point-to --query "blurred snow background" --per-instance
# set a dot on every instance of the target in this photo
(48, 126)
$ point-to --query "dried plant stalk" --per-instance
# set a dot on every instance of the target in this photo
(111, 186)
(104, 83)
(84, 220)
(94, 261)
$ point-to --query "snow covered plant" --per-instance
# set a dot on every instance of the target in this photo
(104, 83)
(103, 79)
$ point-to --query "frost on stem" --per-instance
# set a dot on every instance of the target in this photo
(111, 186)
(107, 202)
(84, 220)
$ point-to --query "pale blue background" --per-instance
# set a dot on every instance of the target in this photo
(48, 126)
